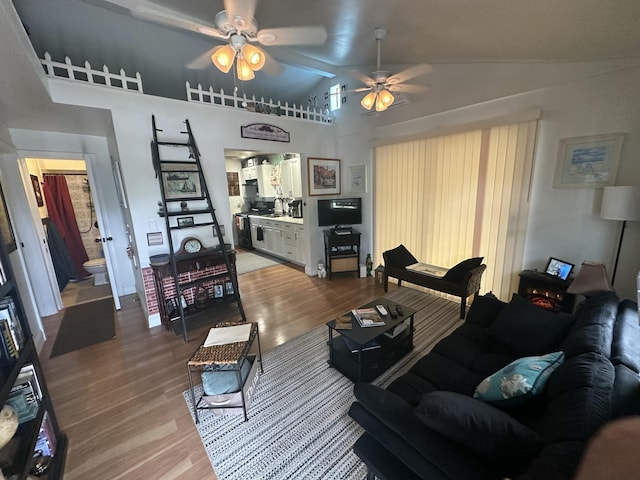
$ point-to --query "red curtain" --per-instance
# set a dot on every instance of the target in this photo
(60, 208)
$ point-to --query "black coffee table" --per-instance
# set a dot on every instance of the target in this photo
(351, 351)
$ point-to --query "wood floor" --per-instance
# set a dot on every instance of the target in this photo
(120, 402)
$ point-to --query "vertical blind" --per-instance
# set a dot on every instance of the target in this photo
(456, 196)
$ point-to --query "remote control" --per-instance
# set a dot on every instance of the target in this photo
(393, 312)
(399, 310)
(381, 310)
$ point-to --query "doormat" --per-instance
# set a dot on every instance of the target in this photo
(251, 261)
(84, 325)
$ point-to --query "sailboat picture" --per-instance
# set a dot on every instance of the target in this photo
(180, 183)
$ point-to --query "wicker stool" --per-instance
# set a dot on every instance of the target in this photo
(228, 357)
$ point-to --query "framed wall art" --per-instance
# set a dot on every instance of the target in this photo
(324, 176)
(185, 222)
(358, 179)
(181, 181)
(588, 162)
(35, 182)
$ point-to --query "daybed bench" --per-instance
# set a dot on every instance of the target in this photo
(462, 280)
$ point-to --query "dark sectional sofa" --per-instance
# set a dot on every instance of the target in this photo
(427, 424)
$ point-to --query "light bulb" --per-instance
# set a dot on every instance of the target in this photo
(244, 70)
(254, 56)
(368, 100)
(222, 57)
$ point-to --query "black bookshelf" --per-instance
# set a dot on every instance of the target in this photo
(38, 440)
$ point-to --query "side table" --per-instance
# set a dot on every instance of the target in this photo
(227, 358)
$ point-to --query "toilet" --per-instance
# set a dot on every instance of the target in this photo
(99, 269)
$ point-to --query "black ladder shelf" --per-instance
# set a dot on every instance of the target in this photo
(203, 206)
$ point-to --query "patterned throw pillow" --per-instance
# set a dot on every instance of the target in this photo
(518, 381)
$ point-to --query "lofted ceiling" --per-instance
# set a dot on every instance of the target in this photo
(434, 32)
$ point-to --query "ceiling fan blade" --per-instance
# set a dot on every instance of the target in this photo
(242, 9)
(367, 80)
(311, 35)
(357, 90)
(409, 73)
(272, 67)
(153, 12)
(202, 61)
(407, 88)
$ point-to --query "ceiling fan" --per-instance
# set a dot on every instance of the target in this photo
(381, 83)
(236, 27)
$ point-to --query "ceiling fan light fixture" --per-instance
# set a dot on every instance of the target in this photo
(369, 100)
(245, 72)
(254, 56)
(222, 57)
(385, 97)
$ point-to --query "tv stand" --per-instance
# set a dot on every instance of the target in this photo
(342, 251)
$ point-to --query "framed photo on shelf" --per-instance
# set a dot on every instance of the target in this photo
(185, 222)
(218, 291)
(588, 162)
(357, 179)
(324, 176)
(181, 181)
(228, 288)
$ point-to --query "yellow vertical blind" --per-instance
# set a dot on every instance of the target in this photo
(455, 196)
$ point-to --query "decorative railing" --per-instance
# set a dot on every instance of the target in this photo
(87, 74)
(134, 84)
(253, 105)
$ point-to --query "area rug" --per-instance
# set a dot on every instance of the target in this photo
(298, 425)
(250, 261)
(83, 325)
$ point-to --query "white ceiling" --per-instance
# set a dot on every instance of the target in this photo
(435, 32)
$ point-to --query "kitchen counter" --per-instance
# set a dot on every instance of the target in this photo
(283, 218)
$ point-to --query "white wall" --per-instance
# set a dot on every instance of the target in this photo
(562, 222)
(214, 129)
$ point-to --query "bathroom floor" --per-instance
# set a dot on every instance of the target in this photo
(84, 291)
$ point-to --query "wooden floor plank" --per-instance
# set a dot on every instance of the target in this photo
(120, 402)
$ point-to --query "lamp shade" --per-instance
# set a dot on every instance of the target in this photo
(620, 203)
(254, 56)
(245, 72)
(222, 57)
(590, 279)
(369, 100)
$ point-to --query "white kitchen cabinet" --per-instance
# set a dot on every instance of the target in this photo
(281, 238)
(291, 177)
(250, 173)
(264, 176)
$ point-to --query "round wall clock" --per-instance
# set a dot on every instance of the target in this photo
(191, 245)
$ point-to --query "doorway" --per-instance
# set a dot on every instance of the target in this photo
(73, 285)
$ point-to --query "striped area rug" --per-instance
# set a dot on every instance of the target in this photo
(298, 425)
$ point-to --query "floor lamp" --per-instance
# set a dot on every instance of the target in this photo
(620, 203)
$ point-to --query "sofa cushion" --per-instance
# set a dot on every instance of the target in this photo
(399, 257)
(518, 381)
(485, 309)
(225, 379)
(529, 330)
(492, 433)
(456, 273)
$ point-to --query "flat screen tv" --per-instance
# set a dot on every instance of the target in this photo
(339, 211)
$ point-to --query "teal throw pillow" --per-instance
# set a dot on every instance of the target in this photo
(518, 381)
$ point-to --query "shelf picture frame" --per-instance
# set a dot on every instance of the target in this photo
(588, 162)
(323, 176)
(35, 183)
(181, 181)
(185, 222)
(357, 179)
